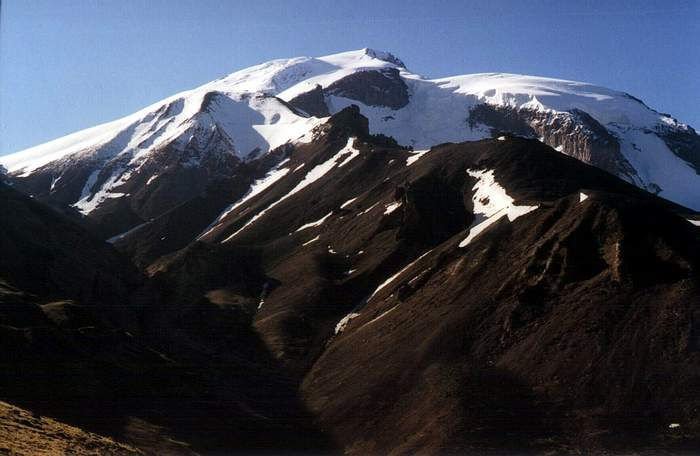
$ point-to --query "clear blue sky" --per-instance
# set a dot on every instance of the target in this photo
(68, 65)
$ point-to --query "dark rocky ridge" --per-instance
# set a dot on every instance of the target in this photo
(542, 335)
(312, 102)
(372, 87)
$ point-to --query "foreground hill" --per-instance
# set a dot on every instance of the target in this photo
(88, 341)
(23, 433)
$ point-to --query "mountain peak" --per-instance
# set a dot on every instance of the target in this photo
(385, 56)
(280, 101)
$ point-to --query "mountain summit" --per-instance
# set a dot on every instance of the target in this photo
(209, 130)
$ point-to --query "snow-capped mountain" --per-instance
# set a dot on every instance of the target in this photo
(495, 295)
(133, 169)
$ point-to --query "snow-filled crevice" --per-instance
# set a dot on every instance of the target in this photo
(311, 241)
(348, 203)
(389, 208)
(318, 222)
(342, 324)
(341, 158)
(258, 187)
(89, 201)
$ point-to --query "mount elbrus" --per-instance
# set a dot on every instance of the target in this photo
(335, 254)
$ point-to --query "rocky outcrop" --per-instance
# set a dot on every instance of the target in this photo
(684, 142)
(385, 56)
(312, 102)
(374, 88)
(383, 87)
(575, 133)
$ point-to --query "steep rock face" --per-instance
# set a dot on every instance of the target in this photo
(574, 133)
(379, 88)
(374, 88)
(312, 102)
(684, 142)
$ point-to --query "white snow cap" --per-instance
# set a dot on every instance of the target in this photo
(250, 107)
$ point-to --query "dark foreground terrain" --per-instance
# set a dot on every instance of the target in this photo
(341, 315)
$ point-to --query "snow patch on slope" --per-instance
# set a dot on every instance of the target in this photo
(310, 241)
(416, 155)
(343, 323)
(89, 201)
(491, 203)
(392, 278)
(121, 236)
(348, 203)
(321, 170)
(391, 207)
(318, 222)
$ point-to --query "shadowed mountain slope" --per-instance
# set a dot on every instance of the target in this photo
(88, 340)
(485, 296)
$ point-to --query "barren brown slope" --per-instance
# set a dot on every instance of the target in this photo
(571, 327)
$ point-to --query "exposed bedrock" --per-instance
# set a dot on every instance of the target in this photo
(575, 133)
